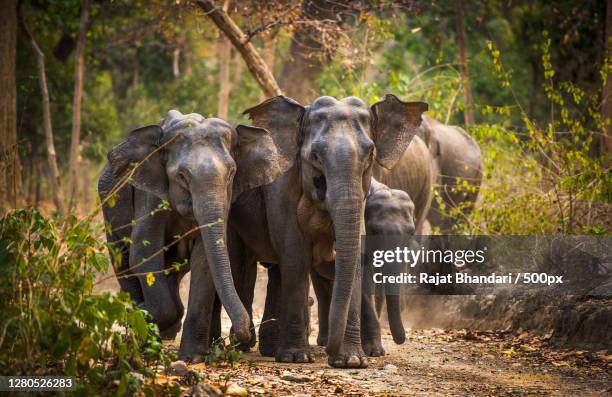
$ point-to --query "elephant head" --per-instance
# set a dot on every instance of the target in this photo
(335, 143)
(199, 166)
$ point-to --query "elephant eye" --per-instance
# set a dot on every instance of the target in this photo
(182, 180)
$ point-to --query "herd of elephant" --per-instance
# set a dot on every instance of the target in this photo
(294, 192)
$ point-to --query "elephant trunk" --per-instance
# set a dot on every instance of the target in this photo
(214, 214)
(394, 314)
(346, 208)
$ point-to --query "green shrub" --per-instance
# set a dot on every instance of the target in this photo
(51, 321)
(544, 179)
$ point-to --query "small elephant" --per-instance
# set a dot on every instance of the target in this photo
(197, 166)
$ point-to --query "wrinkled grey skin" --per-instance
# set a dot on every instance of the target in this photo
(387, 212)
(198, 165)
(437, 159)
(453, 157)
(457, 157)
(317, 205)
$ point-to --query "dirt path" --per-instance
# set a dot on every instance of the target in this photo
(430, 363)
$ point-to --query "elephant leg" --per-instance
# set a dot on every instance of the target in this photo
(148, 238)
(379, 299)
(370, 326)
(269, 329)
(130, 285)
(174, 282)
(323, 290)
(196, 334)
(351, 354)
(215, 327)
(244, 273)
(116, 218)
(296, 260)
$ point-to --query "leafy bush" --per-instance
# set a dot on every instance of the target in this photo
(52, 323)
(549, 178)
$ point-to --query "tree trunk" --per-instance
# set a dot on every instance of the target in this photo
(606, 102)
(305, 60)
(269, 50)
(253, 60)
(463, 65)
(224, 48)
(86, 175)
(76, 103)
(10, 167)
(176, 57)
(53, 170)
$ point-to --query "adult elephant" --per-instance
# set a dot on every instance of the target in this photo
(437, 160)
(455, 174)
(458, 159)
(197, 166)
(316, 206)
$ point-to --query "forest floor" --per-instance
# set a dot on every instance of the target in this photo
(431, 362)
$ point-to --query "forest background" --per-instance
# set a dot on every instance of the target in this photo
(528, 80)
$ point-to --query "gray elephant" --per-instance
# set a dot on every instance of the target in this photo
(437, 159)
(198, 166)
(314, 207)
(457, 157)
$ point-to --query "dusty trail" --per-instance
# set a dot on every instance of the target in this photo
(432, 362)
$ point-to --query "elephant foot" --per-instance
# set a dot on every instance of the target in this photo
(322, 339)
(373, 347)
(267, 348)
(350, 356)
(294, 355)
(170, 332)
(192, 352)
(268, 338)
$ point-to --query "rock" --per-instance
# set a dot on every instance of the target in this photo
(179, 368)
(288, 376)
(203, 389)
(138, 376)
(390, 368)
(234, 389)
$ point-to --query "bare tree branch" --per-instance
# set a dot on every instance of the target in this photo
(253, 60)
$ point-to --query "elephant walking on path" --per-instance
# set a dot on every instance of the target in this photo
(316, 209)
(191, 167)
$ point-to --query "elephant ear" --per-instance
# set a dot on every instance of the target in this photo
(395, 123)
(258, 161)
(282, 117)
(141, 150)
